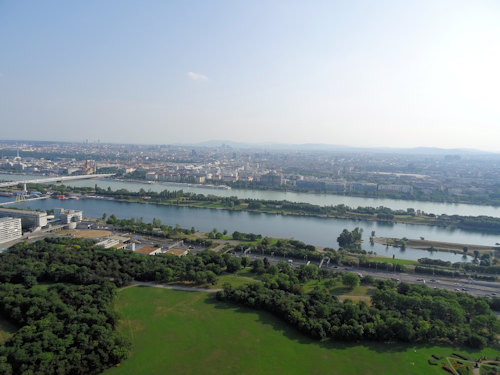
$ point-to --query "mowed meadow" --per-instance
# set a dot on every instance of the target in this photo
(192, 333)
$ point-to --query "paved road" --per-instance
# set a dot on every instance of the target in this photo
(477, 288)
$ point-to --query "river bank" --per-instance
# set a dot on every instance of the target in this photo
(296, 197)
(380, 214)
(437, 245)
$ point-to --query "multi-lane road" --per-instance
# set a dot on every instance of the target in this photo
(478, 288)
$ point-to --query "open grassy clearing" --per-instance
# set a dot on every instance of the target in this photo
(393, 261)
(7, 329)
(247, 272)
(192, 333)
(338, 288)
(234, 280)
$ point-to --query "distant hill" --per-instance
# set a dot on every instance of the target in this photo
(338, 148)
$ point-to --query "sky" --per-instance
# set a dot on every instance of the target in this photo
(358, 73)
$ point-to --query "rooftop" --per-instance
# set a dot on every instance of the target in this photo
(147, 250)
(8, 218)
(177, 252)
(14, 211)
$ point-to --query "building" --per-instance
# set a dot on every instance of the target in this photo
(271, 179)
(177, 252)
(149, 250)
(395, 188)
(107, 243)
(32, 220)
(10, 229)
(68, 216)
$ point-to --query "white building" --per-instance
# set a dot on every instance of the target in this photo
(29, 219)
(68, 216)
(10, 229)
(107, 243)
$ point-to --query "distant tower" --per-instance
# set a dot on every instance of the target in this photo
(17, 158)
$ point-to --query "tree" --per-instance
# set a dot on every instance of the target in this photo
(350, 240)
(350, 280)
(254, 206)
(233, 264)
(344, 239)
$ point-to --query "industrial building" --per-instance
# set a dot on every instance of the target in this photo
(32, 220)
(10, 229)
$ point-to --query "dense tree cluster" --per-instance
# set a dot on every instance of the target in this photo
(365, 262)
(65, 329)
(156, 228)
(78, 261)
(239, 236)
(409, 313)
(350, 239)
(69, 328)
(283, 248)
(434, 262)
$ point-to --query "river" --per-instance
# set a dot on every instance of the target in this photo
(318, 199)
(313, 230)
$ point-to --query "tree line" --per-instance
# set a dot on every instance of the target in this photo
(403, 312)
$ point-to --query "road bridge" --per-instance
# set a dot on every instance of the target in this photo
(53, 179)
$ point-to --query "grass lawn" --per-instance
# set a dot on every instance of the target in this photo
(7, 329)
(393, 261)
(178, 332)
(247, 272)
(234, 280)
(339, 289)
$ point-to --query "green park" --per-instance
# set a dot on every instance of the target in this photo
(193, 333)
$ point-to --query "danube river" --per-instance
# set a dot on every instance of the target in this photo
(313, 230)
(318, 199)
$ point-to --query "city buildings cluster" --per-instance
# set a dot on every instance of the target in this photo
(330, 170)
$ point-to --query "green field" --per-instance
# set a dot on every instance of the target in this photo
(7, 329)
(393, 261)
(192, 333)
(337, 288)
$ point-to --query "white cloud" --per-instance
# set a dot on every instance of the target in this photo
(197, 76)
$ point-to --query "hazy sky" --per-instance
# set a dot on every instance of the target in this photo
(361, 73)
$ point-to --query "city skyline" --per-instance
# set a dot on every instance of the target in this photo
(419, 74)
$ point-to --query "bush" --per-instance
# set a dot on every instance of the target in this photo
(460, 356)
(449, 370)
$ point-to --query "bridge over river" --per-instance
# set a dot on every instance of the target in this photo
(53, 179)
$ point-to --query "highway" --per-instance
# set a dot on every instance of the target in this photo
(477, 288)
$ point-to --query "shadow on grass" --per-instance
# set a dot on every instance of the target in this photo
(292, 333)
(341, 290)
